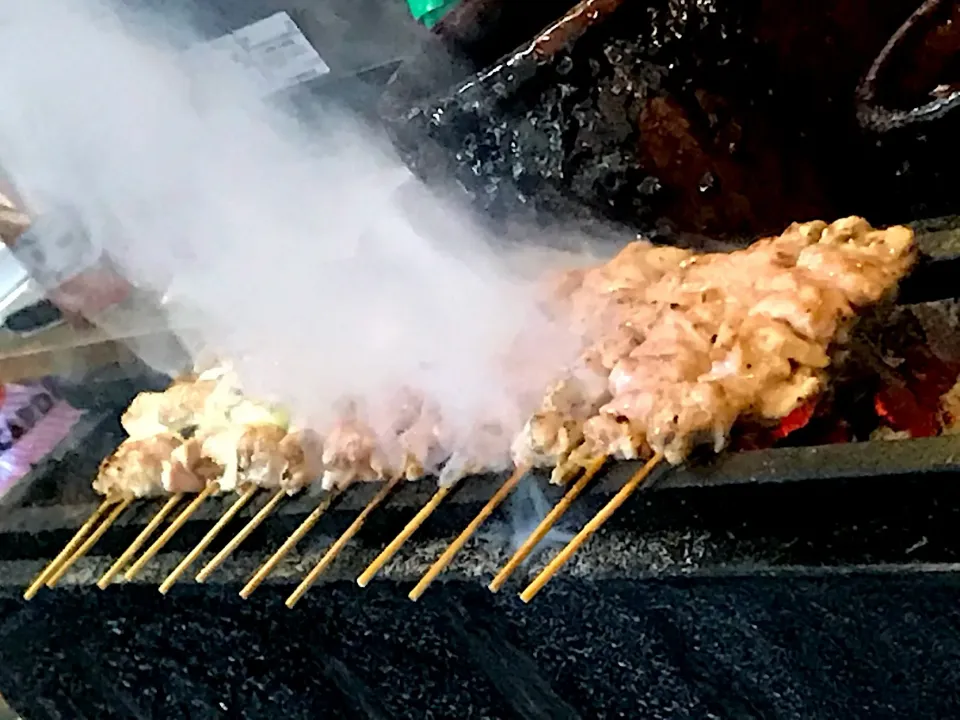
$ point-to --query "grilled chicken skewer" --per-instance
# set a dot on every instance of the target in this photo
(690, 344)
(138, 469)
(677, 347)
(161, 419)
(156, 459)
(147, 468)
(264, 457)
(352, 453)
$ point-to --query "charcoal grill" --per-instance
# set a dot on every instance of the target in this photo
(789, 582)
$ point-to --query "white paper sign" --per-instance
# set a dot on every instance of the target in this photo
(276, 49)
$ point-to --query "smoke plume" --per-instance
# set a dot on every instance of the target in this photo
(284, 240)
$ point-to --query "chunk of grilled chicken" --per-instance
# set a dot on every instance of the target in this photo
(176, 409)
(264, 455)
(690, 343)
(149, 467)
(351, 453)
(556, 429)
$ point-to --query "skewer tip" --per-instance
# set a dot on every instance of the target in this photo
(590, 469)
(78, 538)
(92, 539)
(388, 552)
(331, 554)
(458, 543)
(268, 567)
(638, 480)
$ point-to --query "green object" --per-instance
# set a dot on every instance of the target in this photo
(429, 12)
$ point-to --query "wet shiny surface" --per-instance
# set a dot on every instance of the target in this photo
(674, 115)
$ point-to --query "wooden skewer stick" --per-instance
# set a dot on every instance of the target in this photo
(331, 554)
(142, 538)
(69, 548)
(590, 528)
(212, 533)
(288, 545)
(211, 489)
(390, 550)
(440, 565)
(251, 525)
(548, 522)
(90, 541)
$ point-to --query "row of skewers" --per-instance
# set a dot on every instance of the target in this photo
(134, 558)
(676, 349)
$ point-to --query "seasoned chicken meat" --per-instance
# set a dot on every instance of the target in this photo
(148, 467)
(690, 343)
(675, 347)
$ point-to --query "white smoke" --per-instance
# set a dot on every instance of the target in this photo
(286, 244)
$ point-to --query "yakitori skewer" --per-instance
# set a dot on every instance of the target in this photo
(142, 467)
(331, 554)
(492, 504)
(235, 507)
(239, 538)
(312, 519)
(591, 527)
(677, 347)
(540, 532)
(140, 540)
(212, 488)
(70, 548)
(390, 550)
(270, 458)
(90, 541)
